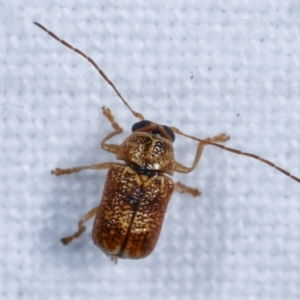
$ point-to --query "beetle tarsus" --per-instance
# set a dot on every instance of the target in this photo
(182, 188)
(67, 240)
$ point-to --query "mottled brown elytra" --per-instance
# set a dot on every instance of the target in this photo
(137, 192)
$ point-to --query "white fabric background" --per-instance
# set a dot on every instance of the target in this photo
(204, 66)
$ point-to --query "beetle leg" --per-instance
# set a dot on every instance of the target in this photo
(81, 227)
(117, 130)
(181, 188)
(102, 166)
(221, 138)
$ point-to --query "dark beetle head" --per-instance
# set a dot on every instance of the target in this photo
(153, 128)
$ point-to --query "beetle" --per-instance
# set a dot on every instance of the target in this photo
(129, 218)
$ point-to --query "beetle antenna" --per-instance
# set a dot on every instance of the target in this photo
(177, 131)
(136, 114)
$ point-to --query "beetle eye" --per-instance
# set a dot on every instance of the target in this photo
(169, 132)
(140, 125)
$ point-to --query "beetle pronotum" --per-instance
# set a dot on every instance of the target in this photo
(136, 194)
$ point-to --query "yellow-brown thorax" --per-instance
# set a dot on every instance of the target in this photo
(149, 151)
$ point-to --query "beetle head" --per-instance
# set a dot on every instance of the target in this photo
(155, 129)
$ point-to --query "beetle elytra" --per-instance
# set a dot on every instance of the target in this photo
(136, 194)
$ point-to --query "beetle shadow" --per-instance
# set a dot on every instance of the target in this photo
(70, 197)
(195, 229)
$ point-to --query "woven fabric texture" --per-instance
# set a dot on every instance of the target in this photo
(205, 67)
